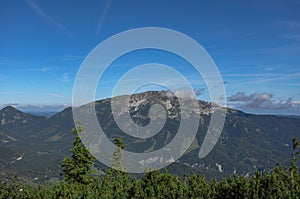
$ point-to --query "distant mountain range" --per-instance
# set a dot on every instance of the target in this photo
(42, 113)
(32, 147)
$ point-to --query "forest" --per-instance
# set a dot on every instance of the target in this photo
(80, 182)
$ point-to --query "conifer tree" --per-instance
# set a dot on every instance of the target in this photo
(77, 168)
(117, 156)
(293, 169)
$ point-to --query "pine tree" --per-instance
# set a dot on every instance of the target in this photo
(117, 157)
(293, 169)
(117, 183)
(77, 168)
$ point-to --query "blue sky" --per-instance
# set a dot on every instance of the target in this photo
(255, 44)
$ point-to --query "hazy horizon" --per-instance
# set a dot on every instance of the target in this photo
(51, 109)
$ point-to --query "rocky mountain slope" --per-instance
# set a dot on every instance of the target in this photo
(32, 147)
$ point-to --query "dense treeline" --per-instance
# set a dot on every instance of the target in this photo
(79, 183)
(278, 184)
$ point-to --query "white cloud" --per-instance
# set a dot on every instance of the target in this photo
(186, 93)
(262, 101)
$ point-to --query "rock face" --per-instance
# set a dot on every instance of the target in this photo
(168, 100)
(247, 142)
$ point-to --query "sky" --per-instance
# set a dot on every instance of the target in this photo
(255, 45)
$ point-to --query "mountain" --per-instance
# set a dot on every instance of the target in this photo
(12, 118)
(24, 152)
(32, 147)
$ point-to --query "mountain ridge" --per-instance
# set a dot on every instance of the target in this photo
(248, 141)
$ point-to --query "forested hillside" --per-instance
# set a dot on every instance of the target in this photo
(79, 182)
(33, 147)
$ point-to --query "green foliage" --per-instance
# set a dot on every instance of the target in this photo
(281, 182)
(77, 168)
(117, 184)
(117, 157)
(162, 185)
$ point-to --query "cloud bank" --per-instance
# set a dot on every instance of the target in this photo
(263, 101)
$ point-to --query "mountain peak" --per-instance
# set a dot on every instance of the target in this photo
(12, 116)
(9, 109)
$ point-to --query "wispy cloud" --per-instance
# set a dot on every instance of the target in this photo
(289, 50)
(40, 69)
(47, 70)
(46, 17)
(295, 37)
(286, 75)
(291, 29)
(65, 77)
(73, 57)
(277, 7)
(291, 25)
(186, 92)
(54, 72)
(2, 77)
(103, 14)
(259, 78)
(56, 95)
(199, 91)
(11, 93)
